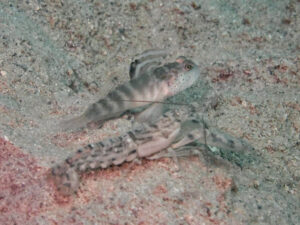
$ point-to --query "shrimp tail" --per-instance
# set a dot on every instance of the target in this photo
(65, 178)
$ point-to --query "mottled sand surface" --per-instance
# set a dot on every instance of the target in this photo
(58, 56)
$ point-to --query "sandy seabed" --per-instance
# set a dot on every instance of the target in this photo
(57, 56)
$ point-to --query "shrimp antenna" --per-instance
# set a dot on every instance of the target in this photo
(168, 103)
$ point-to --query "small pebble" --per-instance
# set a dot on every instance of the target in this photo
(3, 73)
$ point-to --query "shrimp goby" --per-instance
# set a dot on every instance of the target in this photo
(151, 82)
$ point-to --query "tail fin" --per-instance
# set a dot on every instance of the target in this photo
(75, 123)
(65, 178)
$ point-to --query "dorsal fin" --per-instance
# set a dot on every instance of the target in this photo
(146, 61)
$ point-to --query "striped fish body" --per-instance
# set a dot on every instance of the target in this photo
(150, 86)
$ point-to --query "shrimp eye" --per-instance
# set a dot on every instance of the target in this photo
(188, 67)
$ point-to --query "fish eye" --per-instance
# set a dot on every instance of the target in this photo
(188, 67)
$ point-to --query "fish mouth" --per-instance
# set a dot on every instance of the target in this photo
(171, 81)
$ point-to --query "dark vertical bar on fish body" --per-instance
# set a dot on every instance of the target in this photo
(124, 97)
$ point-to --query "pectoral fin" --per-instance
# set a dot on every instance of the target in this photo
(151, 114)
